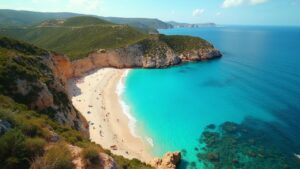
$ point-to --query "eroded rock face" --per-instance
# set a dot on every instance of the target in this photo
(44, 89)
(201, 54)
(130, 57)
(169, 161)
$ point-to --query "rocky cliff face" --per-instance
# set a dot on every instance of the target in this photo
(169, 161)
(137, 55)
(53, 95)
(29, 75)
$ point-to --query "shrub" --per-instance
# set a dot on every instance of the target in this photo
(35, 146)
(91, 155)
(57, 157)
(13, 150)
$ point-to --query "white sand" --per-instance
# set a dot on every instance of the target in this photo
(95, 96)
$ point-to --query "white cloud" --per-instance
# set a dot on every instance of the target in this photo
(87, 5)
(234, 3)
(198, 12)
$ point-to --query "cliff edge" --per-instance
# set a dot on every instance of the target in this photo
(159, 51)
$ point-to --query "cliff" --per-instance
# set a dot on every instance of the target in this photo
(28, 75)
(169, 161)
(155, 52)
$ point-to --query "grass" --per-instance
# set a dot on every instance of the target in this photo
(85, 20)
(18, 62)
(184, 43)
(18, 147)
(57, 157)
(78, 36)
(90, 155)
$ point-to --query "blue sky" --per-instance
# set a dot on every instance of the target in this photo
(241, 12)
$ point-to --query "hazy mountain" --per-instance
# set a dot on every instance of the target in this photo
(12, 18)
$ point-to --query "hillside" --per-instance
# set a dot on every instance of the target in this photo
(77, 36)
(13, 18)
(81, 36)
(144, 24)
(26, 75)
(36, 115)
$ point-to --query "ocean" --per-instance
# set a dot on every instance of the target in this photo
(239, 111)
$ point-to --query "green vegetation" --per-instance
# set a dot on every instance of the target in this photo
(57, 157)
(154, 47)
(184, 43)
(18, 62)
(18, 147)
(28, 141)
(13, 18)
(129, 164)
(79, 36)
(75, 38)
(143, 24)
(14, 152)
(91, 155)
(85, 21)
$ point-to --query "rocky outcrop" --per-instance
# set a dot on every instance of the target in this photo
(169, 161)
(132, 56)
(201, 54)
(56, 96)
(106, 162)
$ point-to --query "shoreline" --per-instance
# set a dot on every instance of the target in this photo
(120, 87)
(97, 96)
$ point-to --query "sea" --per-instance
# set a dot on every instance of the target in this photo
(239, 111)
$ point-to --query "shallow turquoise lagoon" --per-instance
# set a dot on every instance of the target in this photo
(258, 78)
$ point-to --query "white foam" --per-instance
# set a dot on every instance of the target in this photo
(126, 109)
(150, 141)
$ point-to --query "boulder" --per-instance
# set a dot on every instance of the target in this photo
(169, 161)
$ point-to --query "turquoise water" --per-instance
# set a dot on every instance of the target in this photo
(258, 77)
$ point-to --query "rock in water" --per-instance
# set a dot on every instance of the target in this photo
(169, 161)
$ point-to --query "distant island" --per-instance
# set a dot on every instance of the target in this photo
(190, 25)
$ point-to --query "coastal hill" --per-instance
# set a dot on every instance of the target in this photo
(92, 43)
(14, 18)
(76, 36)
(143, 24)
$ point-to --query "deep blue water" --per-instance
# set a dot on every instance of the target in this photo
(258, 77)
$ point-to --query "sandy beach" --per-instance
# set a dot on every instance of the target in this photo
(95, 96)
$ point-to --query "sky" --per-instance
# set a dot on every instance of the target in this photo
(236, 12)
